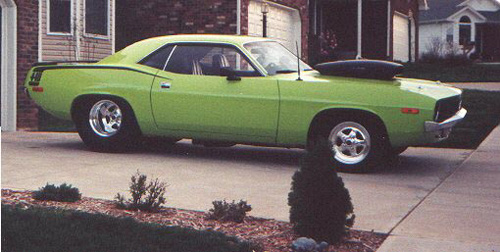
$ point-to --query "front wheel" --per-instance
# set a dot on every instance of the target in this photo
(106, 125)
(357, 146)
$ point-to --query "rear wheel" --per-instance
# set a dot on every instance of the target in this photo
(398, 150)
(357, 145)
(106, 124)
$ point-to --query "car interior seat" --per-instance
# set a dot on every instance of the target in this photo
(219, 61)
(197, 70)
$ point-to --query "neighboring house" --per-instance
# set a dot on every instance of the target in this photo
(47, 30)
(471, 25)
(374, 29)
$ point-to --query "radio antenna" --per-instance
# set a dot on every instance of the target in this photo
(298, 60)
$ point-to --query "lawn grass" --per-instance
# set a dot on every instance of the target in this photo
(482, 117)
(450, 73)
(42, 229)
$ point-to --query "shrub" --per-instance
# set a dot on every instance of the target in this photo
(442, 52)
(44, 229)
(62, 193)
(320, 205)
(224, 211)
(145, 196)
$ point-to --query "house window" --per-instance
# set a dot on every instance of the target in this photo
(96, 17)
(449, 35)
(465, 30)
(60, 16)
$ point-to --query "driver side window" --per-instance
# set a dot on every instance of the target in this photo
(208, 60)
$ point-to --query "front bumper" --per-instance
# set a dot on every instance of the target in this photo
(441, 130)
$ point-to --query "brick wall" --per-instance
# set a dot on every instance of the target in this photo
(137, 20)
(27, 54)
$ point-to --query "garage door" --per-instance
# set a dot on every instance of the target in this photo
(283, 25)
(401, 38)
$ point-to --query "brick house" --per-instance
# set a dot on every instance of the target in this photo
(47, 30)
(373, 29)
(378, 29)
(287, 21)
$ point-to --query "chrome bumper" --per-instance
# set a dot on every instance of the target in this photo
(431, 126)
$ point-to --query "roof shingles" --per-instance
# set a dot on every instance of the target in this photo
(441, 9)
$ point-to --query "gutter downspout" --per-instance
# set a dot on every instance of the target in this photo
(77, 30)
(40, 42)
(238, 17)
(389, 11)
(360, 28)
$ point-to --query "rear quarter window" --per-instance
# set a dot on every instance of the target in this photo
(158, 58)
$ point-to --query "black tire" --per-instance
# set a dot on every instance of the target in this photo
(398, 150)
(99, 138)
(363, 128)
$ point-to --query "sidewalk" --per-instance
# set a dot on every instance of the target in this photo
(461, 214)
(486, 86)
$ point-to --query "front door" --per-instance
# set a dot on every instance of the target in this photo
(191, 96)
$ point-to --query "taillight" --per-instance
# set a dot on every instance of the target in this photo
(37, 89)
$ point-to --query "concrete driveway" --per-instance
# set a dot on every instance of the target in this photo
(198, 175)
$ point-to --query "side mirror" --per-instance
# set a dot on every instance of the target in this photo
(230, 73)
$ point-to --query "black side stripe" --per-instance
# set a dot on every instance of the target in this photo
(46, 68)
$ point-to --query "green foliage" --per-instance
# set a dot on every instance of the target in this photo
(145, 196)
(41, 229)
(482, 117)
(62, 193)
(320, 205)
(224, 211)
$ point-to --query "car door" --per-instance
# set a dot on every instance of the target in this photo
(190, 95)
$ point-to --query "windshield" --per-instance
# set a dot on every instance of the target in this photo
(275, 58)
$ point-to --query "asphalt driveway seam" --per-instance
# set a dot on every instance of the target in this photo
(431, 192)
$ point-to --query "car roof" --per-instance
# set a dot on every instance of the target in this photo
(238, 39)
(135, 52)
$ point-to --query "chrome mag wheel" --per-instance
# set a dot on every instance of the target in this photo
(350, 142)
(105, 118)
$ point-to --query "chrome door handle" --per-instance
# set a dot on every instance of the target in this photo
(165, 85)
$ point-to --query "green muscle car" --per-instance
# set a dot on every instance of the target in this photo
(222, 90)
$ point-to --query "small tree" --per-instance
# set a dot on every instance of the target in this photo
(225, 211)
(145, 196)
(320, 205)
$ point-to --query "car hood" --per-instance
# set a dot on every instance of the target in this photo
(432, 89)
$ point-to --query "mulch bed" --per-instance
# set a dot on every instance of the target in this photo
(271, 234)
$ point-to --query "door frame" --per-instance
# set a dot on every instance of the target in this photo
(9, 65)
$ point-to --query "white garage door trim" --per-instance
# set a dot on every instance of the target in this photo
(401, 37)
(284, 23)
(9, 65)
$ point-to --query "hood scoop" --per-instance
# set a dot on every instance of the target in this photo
(366, 69)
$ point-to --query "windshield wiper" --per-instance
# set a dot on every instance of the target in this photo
(286, 71)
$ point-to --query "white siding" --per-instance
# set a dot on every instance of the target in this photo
(69, 47)
(428, 32)
(284, 23)
(401, 38)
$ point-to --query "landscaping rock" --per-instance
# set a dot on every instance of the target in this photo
(304, 244)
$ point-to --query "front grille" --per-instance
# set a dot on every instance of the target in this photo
(448, 107)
